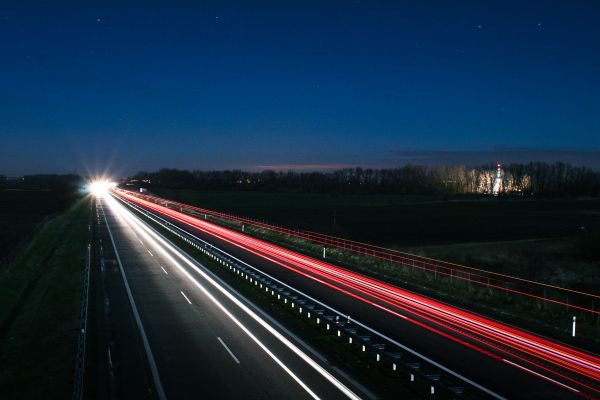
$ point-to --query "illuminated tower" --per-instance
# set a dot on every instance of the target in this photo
(497, 180)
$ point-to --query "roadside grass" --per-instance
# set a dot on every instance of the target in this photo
(572, 261)
(22, 212)
(40, 295)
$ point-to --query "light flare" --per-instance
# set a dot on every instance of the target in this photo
(100, 187)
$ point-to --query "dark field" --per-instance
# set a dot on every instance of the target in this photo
(22, 210)
(40, 299)
(397, 221)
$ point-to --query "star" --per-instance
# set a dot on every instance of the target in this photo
(479, 26)
(98, 19)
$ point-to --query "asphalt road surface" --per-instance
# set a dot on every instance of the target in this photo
(174, 334)
(507, 379)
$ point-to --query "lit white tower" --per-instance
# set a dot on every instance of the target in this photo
(497, 180)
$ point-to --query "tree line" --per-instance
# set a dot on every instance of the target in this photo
(534, 178)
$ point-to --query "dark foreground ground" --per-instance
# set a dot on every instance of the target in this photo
(22, 211)
(40, 300)
(392, 220)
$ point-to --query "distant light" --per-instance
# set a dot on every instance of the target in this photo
(100, 187)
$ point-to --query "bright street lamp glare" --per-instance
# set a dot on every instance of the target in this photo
(100, 187)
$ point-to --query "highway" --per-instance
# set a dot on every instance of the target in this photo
(195, 336)
(515, 285)
(506, 361)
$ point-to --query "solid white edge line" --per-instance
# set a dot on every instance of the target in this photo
(147, 231)
(414, 352)
(540, 375)
(228, 350)
(166, 244)
(183, 294)
(151, 361)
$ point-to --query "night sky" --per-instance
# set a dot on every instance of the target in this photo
(89, 86)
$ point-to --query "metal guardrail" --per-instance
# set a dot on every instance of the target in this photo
(397, 357)
(83, 317)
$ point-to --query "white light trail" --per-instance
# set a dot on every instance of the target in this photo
(160, 220)
(165, 247)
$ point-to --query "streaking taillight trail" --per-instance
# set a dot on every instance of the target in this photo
(579, 368)
(517, 286)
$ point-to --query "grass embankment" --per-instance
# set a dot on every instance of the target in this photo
(572, 261)
(24, 210)
(40, 299)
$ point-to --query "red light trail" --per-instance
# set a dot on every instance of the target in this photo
(492, 338)
(581, 301)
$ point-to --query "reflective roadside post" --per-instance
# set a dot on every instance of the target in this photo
(574, 321)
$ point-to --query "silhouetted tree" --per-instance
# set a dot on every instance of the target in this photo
(535, 178)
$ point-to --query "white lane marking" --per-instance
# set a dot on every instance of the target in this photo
(183, 294)
(150, 253)
(229, 351)
(165, 244)
(314, 300)
(540, 375)
(142, 243)
(164, 270)
(154, 370)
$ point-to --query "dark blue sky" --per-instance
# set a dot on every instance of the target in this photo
(90, 85)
